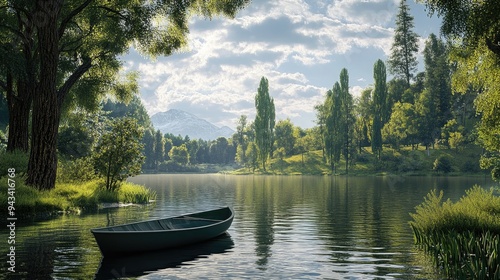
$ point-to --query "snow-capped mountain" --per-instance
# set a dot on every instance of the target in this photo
(182, 123)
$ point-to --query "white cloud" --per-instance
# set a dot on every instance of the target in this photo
(300, 46)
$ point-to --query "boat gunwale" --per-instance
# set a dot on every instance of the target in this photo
(103, 230)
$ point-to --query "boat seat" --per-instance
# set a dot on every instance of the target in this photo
(166, 224)
(151, 225)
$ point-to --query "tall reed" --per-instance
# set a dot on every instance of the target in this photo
(462, 237)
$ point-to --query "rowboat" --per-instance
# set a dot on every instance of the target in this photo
(140, 264)
(163, 233)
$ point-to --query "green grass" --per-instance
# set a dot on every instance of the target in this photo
(399, 162)
(463, 238)
(70, 197)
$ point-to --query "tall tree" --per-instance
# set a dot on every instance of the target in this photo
(69, 41)
(347, 117)
(333, 130)
(403, 58)
(148, 141)
(264, 121)
(434, 103)
(379, 105)
(241, 139)
(438, 77)
(159, 152)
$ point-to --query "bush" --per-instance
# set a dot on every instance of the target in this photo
(16, 159)
(79, 170)
(172, 166)
(470, 166)
(442, 164)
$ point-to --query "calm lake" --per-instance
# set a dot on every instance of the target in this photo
(291, 227)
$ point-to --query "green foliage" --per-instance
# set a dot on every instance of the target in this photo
(71, 197)
(469, 22)
(401, 127)
(478, 69)
(283, 135)
(252, 156)
(74, 171)
(379, 105)
(403, 58)
(118, 155)
(442, 164)
(463, 237)
(17, 160)
(264, 121)
(179, 155)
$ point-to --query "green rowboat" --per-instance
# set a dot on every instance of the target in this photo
(163, 233)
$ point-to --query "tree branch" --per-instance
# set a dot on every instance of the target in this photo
(73, 78)
(494, 45)
(71, 15)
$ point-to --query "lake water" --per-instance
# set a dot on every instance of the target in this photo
(285, 227)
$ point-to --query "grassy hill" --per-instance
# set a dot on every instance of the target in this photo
(403, 162)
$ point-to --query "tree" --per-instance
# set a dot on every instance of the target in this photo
(471, 24)
(240, 139)
(148, 141)
(333, 131)
(434, 103)
(474, 29)
(252, 155)
(401, 127)
(438, 78)
(347, 117)
(118, 155)
(403, 58)
(264, 121)
(364, 110)
(75, 46)
(180, 154)
(159, 152)
(379, 104)
(283, 135)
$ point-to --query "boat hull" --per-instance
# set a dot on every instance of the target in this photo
(172, 232)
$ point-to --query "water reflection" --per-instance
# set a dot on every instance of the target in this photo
(290, 227)
(147, 263)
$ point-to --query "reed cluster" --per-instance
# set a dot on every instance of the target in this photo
(462, 237)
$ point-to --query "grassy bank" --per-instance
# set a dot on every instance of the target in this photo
(463, 238)
(70, 197)
(400, 162)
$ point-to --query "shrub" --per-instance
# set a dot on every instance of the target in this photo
(470, 166)
(442, 164)
(16, 159)
(78, 170)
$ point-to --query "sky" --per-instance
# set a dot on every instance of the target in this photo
(300, 46)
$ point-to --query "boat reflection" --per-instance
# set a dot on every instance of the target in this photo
(145, 263)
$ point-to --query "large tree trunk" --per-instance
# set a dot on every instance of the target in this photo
(46, 115)
(19, 102)
(19, 110)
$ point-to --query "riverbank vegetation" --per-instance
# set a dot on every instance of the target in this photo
(463, 238)
(71, 197)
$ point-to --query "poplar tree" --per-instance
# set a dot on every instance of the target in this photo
(403, 59)
(347, 117)
(159, 152)
(264, 121)
(379, 105)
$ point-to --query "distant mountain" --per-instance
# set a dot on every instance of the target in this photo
(183, 123)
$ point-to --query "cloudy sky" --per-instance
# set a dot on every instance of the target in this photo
(300, 46)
